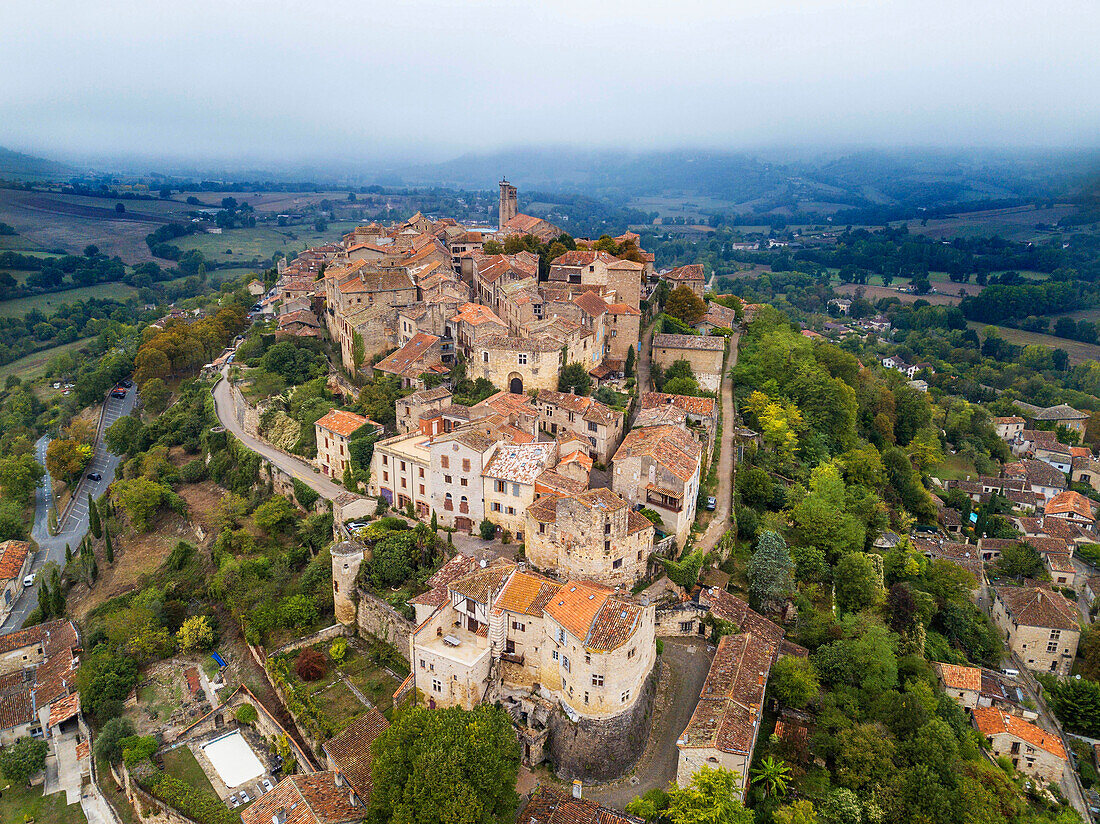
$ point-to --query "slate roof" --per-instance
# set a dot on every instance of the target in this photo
(536, 343)
(350, 751)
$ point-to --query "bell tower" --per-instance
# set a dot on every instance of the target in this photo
(509, 203)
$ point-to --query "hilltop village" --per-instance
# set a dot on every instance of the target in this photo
(450, 523)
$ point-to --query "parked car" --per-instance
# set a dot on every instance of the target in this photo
(712, 502)
(118, 393)
(29, 580)
(245, 798)
(94, 476)
(266, 785)
(126, 382)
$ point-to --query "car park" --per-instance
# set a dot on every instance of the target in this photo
(245, 798)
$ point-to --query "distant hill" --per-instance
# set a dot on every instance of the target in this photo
(19, 166)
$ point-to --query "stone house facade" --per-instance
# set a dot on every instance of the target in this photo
(400, 472)
(457, 494)
(592, 421)
(594, 535)
(705, 353)
(333, 433)
(509, 482)
(659, 468)
(516, 364)
(1040, 625)
(1031, 749)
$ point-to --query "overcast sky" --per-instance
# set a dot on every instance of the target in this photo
(354, 79)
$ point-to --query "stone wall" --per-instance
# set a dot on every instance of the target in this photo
(326, 634)
(247, 415)
(600, 750)
(380, 620)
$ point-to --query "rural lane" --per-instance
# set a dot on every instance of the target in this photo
(295, 467)
(720, 522)
(74, 522)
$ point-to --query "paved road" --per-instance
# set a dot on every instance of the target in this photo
(297, 468)
(720, 522)
(74, 522)
(684, 669)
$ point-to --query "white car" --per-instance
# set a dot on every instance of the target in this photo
(29, 580)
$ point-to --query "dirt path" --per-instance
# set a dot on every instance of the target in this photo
(720, 522)
(684, 668)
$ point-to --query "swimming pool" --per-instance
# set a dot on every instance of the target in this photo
(233, 759)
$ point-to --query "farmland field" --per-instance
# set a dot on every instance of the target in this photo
(1017, 223)
(48, 303)
(242, 245)
(1078, 352)
(33, 366)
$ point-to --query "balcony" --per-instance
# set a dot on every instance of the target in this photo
(667, 499)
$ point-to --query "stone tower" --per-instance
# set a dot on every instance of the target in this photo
(509, 203)
(346, 558)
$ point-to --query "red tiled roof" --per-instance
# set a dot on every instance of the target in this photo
(960, 678)
(342, 423)
(350, 751)
(13, 554)
(1070, 502)
(304, 799)
(63, 710)
(669, 446)
(1039, 607)
(551, 806)
(991, 721)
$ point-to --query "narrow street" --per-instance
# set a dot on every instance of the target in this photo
(295, 467)
(721, 520)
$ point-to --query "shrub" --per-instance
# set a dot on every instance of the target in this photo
(23, 759)
(193, 471)
(311, 665)
(339, 649)
(108, 744)
(487, 529)
(201, 807)
(195, 634)
(305, 496)
(246, 714)
(137, 748)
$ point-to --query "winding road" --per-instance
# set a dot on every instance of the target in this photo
(74, 521)
(721, 520)
(295, 467)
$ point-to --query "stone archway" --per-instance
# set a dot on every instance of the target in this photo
(515, 383)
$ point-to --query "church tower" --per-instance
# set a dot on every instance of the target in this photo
(509, 203)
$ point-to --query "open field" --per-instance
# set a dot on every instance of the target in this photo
(1078, 352)
(182, 764)
(54, 221)
(48, 303)
(876, 293)
(274, 202)
(33, 366)
(1016, 223)
(261, 242)
(22, 803)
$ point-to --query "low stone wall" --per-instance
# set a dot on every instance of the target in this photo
(326, 634)
(377, 618)
(146, 806)
(246, 414)
(600, 750)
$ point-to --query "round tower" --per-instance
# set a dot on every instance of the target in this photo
(346, 558)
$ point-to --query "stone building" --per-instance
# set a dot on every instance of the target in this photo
(692, 276)
(333, 433)
(457, 463)
(705, 353)
(1031, 749)
(1041, 626)
(15, 563)
(504, 634)
(472, 322)
(617, 281)
(623, 324)
(509, 204)
(659, 467)
(593, 535)
(723, 729)
(314, 798)
(38, 668)
(1073, 507)
(349, 755)
(592, 421)
(516, 364)
(509, 482)
(423, 402)
(399, 472)
(700, 414)
(422, 355)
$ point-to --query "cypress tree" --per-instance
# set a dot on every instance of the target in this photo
(44, 601)
(94, 570)
(93, 518)
(58, 596)
(68, 555)
(108, 549)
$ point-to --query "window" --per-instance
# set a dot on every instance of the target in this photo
(402, 466)
(626, 696)
(630, 653)
(515, 490)
(618, 563)
(1052, 646)
(588, 659)
(522, 358)
(445, 462)
(510, 510)
(592, 427)
(518, 627)
(607, 547)
(437, 685)
(496, 507)
(561, 636)
(597, 680)
(423, 664)
(485, 357)
(502, 487)
(465, 464)
(421, 489)
(385, 460)
(403, 484)
(565, 662)
(1055, 634)
(464, 481)
(687, 626)
(385, 476)
(586, 696)
(447, 479)
(607, 528)
(421, 470)
(554, 655)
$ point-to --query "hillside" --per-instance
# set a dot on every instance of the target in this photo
(19, 166)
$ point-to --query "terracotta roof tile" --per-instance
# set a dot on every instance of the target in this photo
(551, 806)
(1070, 502)
(670, 446)
(350, 751)
(342, 423)
(304, 799)
(575, 606)
(13, 554)
(960, 678)
(991, 721)
(1039, 607)
(526, 593)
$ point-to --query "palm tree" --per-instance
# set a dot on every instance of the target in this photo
(773, 775)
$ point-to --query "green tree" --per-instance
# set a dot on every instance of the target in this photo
(154, 395)
(487, 529)
(771, 572)
(108, 742)
(108, 547)
(684, 305)
(859, 583)
(246, 714)
(276, 515)
(793, 681)
(842, 807)
(446, 766)
(574, 378)
(1020, 561)
(773, 776)
(195, 634)
(24, 758)
(141, 499)
(93, 518)
(305, 495)
(628, 367)
(864, 757)
(123, 437)
(798, 812)
(1076, 702)
(710, 798)
(19, 475)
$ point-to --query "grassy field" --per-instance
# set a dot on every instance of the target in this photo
(181, 763)
(33, 366)
(22, 803)
(955, 468)
(48, 303)
(1078, 352)
(242, 245)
